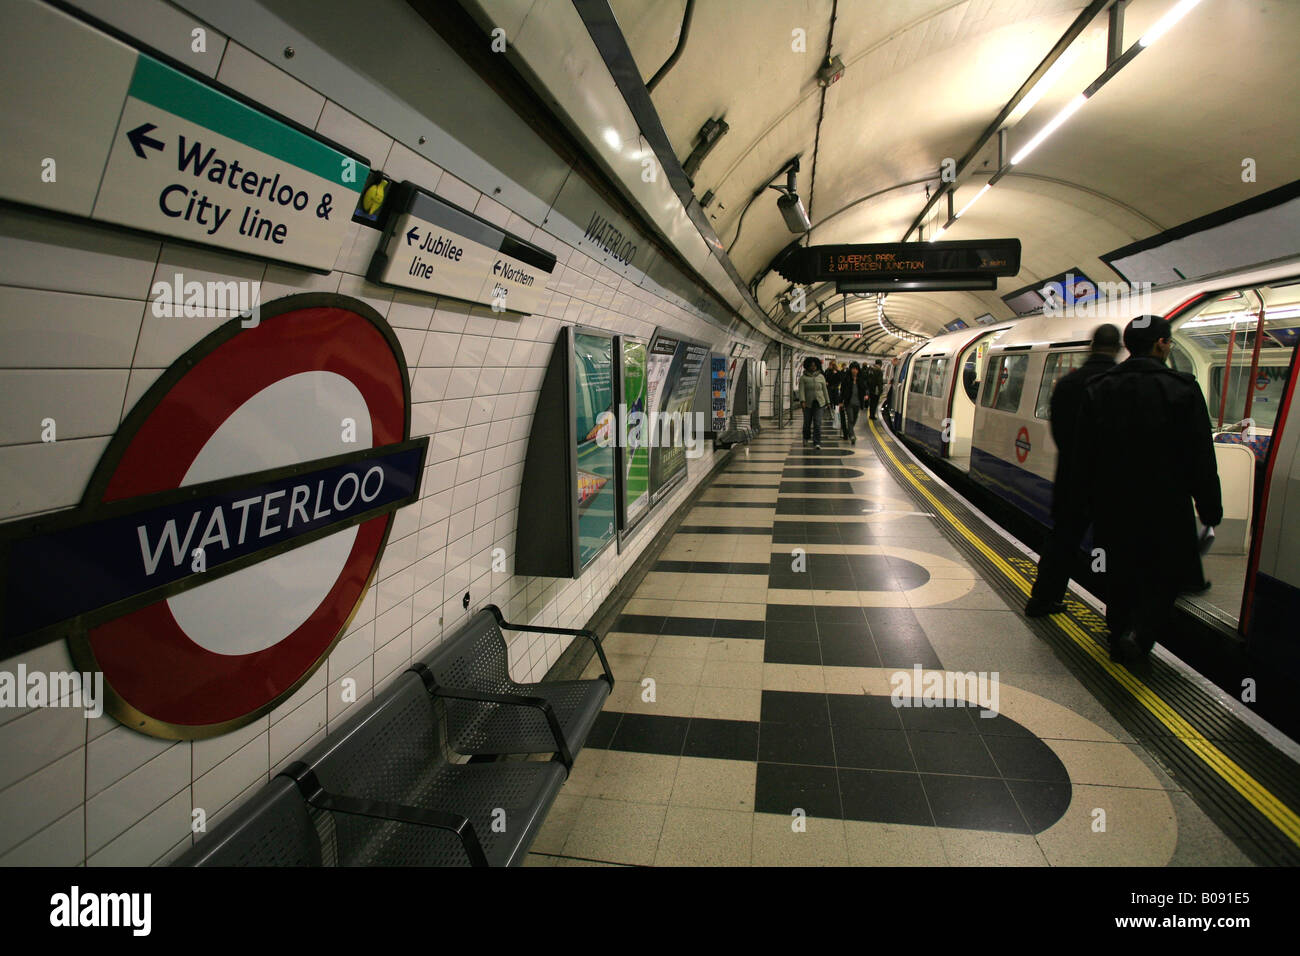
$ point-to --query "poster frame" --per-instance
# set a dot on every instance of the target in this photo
(546, 533)
(625, 529)
(658, 494)
(574, 331)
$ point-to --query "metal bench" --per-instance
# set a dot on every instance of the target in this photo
(274, 828)
(387, 791)
(490, 714)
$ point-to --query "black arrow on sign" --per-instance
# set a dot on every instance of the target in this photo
(412, 236)
(140, 138)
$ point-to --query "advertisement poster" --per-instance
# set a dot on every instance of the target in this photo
(593, 409)
(676, 404)
(718, 393)
(658, 363)
(636, 456)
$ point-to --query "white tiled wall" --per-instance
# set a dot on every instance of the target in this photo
(78, 344)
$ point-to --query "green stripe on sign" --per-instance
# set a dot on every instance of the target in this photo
(161, 86)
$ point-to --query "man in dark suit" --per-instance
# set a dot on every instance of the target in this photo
(1146, 454)
(1069, 513)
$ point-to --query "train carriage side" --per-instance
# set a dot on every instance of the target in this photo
(1237, 334)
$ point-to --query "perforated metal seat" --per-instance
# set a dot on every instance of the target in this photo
(397, 753)
(384, 791)
(274, 828)
(476, 658)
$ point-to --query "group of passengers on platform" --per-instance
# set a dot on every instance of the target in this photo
(1134, 455)
(846, 391)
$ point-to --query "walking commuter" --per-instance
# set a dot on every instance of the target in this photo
(1145, 457)
(812, 398)
(875, 384)
(1069, 514)
(852, 398)
(834, 376)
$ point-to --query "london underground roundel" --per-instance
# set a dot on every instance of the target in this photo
(233, 524)
(1022, 444)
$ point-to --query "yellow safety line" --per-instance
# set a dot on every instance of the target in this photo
(1277, 812)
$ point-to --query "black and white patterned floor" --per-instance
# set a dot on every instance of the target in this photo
(763, 716)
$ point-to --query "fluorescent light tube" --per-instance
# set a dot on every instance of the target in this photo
(1164, 24)
(1070, 109)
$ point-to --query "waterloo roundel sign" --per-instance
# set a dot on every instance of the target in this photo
(233, 524)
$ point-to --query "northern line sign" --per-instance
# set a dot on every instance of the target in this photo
(433, 246)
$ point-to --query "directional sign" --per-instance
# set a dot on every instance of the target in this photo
(951, 260)
(838, 328)
(233, 524)
(139, 143)
(192, 162)
(433, 246)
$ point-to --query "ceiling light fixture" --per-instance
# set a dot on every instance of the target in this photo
(966, 208)
(1047, 81)
(1164, 24)
(1067, 111)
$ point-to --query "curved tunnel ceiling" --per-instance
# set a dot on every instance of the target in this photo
(1161, 143)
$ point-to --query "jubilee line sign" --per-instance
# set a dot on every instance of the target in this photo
(433, 246)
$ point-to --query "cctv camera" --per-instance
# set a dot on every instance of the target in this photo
(796, 218)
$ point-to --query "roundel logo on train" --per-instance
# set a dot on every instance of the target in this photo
(232, 525)
(1022, 445)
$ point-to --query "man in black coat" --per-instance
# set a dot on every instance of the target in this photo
(875, 384)
(1145, 455)
(1069, 513)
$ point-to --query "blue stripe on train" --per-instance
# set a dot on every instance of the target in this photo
(1031, 493)
(927, 436)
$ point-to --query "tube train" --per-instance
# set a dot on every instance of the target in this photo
(979, 400)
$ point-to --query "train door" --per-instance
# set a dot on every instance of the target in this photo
(1011, 453)
(1241, 346)
(1056, 365)
(918, 387)
(968, 374)
(898, 395)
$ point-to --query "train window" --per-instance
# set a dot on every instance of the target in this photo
(935, 388)
(919, 375)
(970, 375)
(1239, 381)
(1059, 364)
(1268, 386)
(1180, 361)
(1005, 382)
(990, 385)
